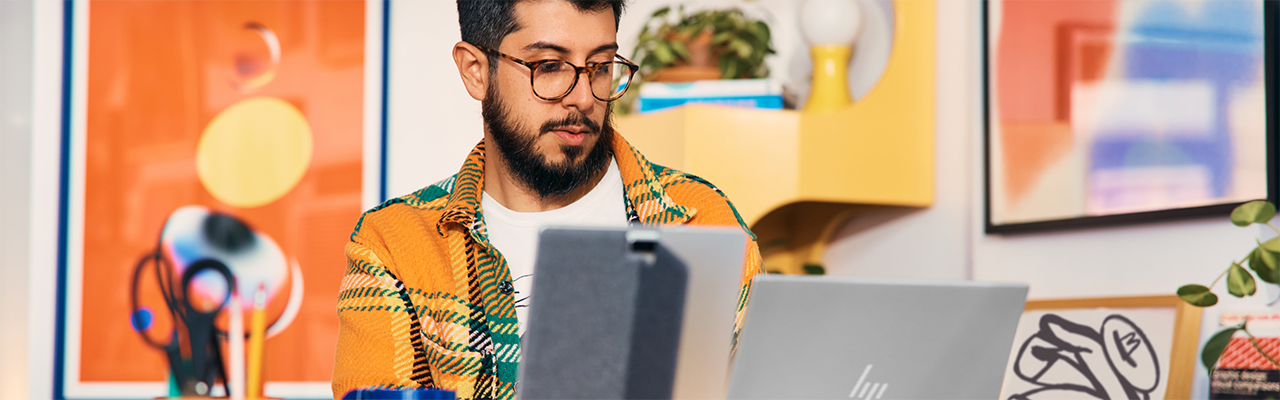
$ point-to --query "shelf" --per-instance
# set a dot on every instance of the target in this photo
(767, 159)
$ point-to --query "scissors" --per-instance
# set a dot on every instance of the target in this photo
(195, 376)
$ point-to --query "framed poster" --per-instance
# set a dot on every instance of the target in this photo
(1106, 112)
(245, 132)
(1104, 348)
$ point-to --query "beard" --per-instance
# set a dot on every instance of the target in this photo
(518, 146)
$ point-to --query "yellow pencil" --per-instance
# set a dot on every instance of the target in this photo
(257, 332)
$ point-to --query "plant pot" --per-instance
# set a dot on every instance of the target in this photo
(700, 65)
(685, 73)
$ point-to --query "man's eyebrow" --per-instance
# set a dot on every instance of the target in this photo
(547, 46)
(561, 49)
(604, 47)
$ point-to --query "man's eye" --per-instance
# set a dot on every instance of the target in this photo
(551, 67)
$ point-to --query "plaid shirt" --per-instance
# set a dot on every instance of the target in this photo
(427, 301)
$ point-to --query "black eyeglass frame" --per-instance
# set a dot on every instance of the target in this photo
(577, 73)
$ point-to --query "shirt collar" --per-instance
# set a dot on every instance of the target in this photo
(645, 195)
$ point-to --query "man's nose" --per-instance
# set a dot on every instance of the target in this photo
(580, 97)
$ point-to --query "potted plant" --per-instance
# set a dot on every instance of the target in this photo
(1263, 262)
(708, 44)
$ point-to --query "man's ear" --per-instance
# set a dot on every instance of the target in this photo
(473, 68)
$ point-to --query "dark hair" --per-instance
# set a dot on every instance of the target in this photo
(486, 22)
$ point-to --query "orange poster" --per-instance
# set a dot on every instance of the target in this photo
(233, 131)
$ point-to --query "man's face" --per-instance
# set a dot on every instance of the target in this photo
(552, 146)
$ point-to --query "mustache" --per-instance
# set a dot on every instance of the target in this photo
(575, 119)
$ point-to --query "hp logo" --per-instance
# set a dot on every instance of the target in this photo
(870, 390)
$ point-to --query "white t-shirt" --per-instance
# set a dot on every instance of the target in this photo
(515, 234)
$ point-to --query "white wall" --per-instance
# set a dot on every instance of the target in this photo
(15, 178)
(31, 41)
(432, 122)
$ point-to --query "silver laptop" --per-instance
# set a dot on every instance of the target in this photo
(841, 338)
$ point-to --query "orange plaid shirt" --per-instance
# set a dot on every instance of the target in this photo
(422, 302)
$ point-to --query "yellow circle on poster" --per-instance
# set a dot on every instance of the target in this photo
(254, 152)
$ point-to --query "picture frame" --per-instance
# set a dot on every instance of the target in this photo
(1086, 123)
(163, 122)
(1166, 326)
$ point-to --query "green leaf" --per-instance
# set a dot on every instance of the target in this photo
(1269, 252)
(680, 50)
(1263, 263)
(661, 12)
(664, 54)
(721, 37)
(1239, 282)
(741, 47)
(1216, 345)
(762, 30)
(1272, 246)
(1197, 295)
(1257, 211)
(814, 269)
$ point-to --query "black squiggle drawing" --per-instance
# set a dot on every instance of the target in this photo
(1112, 362)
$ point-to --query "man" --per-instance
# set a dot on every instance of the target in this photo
(438, 281)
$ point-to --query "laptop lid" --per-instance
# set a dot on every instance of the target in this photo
(714, 257)
(840, 338)
(582, 284)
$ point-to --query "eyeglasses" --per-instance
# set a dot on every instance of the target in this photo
(554, 79)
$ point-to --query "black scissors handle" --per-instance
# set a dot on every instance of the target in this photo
(172, 348)
(200, 328)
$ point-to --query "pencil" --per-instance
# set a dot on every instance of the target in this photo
(257, 332)
(235, 346)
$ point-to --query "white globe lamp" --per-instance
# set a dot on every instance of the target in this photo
(831, 27)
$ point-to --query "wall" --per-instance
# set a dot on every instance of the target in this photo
(15, 178)
(30, 75)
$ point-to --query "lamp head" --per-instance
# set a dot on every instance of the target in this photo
(830, 22)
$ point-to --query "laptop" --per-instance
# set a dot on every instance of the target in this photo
(840, 338)
(599, 325)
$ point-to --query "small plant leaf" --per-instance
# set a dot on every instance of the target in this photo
(1239, 282)
(1272, 245)
(1216, 345)
(664, 54)
(1197, 295)
(1263, 263)
(681, 50)
(721, 37)
(1257, 211)
(1269, 253)
(741, 47)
